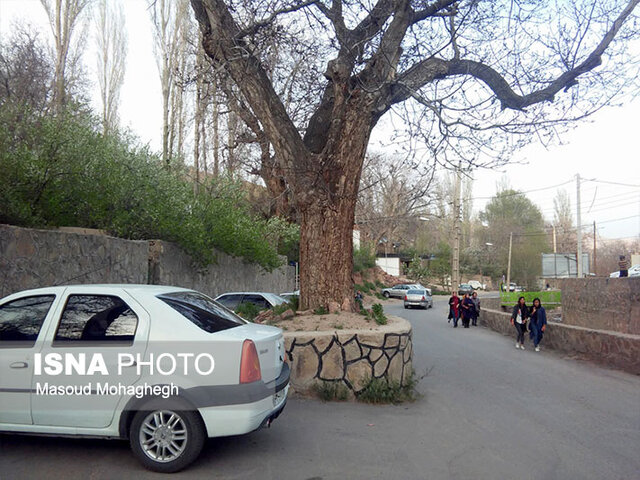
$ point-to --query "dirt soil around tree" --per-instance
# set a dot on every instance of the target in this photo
(310, 322)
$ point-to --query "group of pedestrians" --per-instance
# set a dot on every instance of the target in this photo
(523, 318)
(466, 309)
(537, 317)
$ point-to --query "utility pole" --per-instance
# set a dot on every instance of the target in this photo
(595, 264)
(555, 244)
(509, 262)
(455, 267)
(579, 225)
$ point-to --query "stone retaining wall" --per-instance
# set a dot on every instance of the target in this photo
(169, 265)
(32, 258)
(608, 348)
(350, 357)
(611, 304)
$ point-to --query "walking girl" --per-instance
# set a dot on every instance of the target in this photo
(468, 310)
(519, 318)
(476, 304)
(454, 309)
(538, 323)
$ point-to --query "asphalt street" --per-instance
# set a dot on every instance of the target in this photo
(487, 411)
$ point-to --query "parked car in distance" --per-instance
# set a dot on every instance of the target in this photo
(634, 271)
(418, 297)
(514, 287)
(398, 291)
(465, 288)
(166, 414)
(288, 296)
(262, 300)
(476, 285)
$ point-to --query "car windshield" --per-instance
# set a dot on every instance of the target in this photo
(416, 292)
(202, 311)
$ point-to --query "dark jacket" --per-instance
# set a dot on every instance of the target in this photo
(524, 312)
(539, 318)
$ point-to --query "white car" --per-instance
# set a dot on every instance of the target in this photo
(163, 367)
(262, 300)
(633, 272)
(477, 285)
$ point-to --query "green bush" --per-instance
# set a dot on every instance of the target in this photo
(61, 171)
(363, 259)
(382, 390)
(330, 391)
(320, 311)
(378, 314)
(248, 311)
(283, 307)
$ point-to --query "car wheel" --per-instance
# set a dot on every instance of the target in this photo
(166, 440)
(406, 307)
(386, 294)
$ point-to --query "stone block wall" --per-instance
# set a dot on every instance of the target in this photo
(169, 265)
(32, 258)
(350, 357)
(614, 349)
(611, 304)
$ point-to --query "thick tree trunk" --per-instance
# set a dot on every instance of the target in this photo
(326, 204)
(326, 256)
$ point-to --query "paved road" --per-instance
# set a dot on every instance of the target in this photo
(488, 411)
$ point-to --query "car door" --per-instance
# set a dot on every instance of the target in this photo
(91, 324)
(21, 322)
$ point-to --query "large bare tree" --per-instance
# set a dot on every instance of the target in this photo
(468, 69)
(111, 42)
(65, 17)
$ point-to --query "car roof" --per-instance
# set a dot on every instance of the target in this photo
(128, 287)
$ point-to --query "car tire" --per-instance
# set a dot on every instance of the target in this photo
(161, 422)
(406, 307)
(385, 294)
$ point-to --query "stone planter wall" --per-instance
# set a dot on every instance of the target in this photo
(350, 357)
(614, 349)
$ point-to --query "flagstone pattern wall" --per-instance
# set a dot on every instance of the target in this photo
(350, 357)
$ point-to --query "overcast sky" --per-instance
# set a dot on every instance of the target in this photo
(603, 149)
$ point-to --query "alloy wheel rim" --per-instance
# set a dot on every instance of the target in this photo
(163, 436)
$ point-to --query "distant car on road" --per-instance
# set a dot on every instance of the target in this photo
(633, 272)
(262, 300)
(418, 298)
(465, 288)
(398, 291)
(167, 399)
(477, 285)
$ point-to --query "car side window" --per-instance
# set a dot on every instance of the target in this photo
(258, 300)
(230, 301)
(22, 319)
(96, 318)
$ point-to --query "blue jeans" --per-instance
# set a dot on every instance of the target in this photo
(453, 315)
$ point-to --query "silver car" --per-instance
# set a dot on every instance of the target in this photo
(418, 298)
(398, 291)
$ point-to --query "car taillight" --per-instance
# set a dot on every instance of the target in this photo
(423, 299)
(249, 363)
(405, 297)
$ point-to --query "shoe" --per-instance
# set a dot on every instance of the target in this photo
(537, 349)
(517, 345)
(522, 346)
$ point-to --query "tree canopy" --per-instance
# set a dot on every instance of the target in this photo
(474, 79)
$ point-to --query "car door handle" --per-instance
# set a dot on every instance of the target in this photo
(19, 365)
